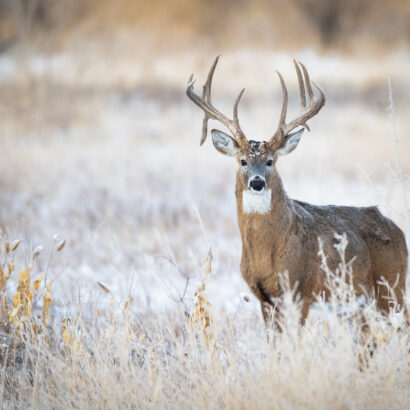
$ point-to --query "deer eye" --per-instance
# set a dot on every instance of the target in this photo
(269, 163)
(243, 163)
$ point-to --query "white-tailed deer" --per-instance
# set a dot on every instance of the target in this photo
(280, 234)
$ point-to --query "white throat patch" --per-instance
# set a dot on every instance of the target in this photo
(255, 202)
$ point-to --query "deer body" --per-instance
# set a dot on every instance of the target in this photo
(282, 235)
(286, 239)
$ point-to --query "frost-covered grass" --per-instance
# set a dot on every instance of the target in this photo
(108, 157)
(117, 357)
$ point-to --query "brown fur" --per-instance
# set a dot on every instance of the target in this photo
(286, 239)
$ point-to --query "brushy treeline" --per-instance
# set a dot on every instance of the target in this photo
(328, 23)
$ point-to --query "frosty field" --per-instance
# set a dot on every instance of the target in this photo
(101, 148)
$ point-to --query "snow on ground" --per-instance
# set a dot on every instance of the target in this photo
(106, 153)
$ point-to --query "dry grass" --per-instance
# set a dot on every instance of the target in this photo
(107, 155)
(116, 358)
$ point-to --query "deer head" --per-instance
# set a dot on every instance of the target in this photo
(257, 159)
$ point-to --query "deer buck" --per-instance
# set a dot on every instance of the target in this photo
(280, 234)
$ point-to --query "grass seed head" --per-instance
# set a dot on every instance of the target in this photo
(47, 299)
(61, 245)
(67, 335)
(103, 287)
(37, 282)
(4, 277)
(15, 244)
(25, 297)
(201, 317)
(6, 247)
(11, 267)
(37, 251)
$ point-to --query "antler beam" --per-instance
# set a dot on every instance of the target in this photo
(211, 112)
(315, 104)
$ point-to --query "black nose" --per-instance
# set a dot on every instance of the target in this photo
(257, 184)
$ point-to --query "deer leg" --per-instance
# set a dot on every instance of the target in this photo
(270, 314)
(305, 311)
(267, 313)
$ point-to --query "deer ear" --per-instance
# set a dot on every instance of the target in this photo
(224, 143)
(291, 143)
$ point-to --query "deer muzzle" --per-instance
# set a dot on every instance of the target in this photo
(257, 184)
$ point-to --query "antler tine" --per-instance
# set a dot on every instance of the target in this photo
(301, 85)
(235, 109)
(282, 119)
(322, 92)
(240, 137)
(302, 90)
(206, 94)
(211, 112)
(278, 137)
(204, 129)
(307, 82)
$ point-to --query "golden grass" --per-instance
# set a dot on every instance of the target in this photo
(116, 359)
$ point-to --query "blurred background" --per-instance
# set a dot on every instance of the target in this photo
(100, 145)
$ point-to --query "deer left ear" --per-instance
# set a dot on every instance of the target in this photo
(224, 143)
(291, 143)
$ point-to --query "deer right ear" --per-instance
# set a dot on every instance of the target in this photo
(291, 142)
(224, 143)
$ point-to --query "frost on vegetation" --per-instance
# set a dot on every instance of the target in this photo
(196, 352)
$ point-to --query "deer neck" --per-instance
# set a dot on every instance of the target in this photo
(269, 214)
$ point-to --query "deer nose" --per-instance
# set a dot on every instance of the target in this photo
(257, 184)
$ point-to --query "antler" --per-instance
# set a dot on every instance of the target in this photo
(315, 104)
(211, 112)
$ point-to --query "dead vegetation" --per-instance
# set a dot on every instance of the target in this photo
(114, 357)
